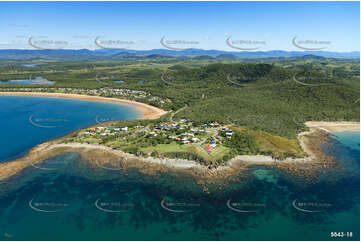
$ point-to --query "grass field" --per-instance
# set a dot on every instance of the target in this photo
(273, 143)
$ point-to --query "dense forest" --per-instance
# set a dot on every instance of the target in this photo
(263, 96)
(276, 95)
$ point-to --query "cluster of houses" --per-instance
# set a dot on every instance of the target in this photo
(208, 136)
(227, 132)
(207, 133)
(110, 92)
(189, 131)
(105, 131)
(212, 143)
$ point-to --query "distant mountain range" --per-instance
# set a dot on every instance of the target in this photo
(165, 53)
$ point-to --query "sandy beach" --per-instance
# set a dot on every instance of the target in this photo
(331, 127)
(307, 166)
(147, 111)
(311, 140)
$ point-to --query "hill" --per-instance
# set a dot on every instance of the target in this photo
(108, 53)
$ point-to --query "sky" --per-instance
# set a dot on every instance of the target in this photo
(248, 26)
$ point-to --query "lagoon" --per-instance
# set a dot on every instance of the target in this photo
(37, 80)
(32, 64)
(119, 82)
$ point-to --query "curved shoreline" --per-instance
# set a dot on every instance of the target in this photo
(331, 127)
(147, 111)
(310, 142)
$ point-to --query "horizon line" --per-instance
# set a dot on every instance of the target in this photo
(125, 50)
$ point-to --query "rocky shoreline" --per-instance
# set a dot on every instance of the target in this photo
(102, 156)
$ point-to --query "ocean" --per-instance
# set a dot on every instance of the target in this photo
(29, 121)
(77, 201)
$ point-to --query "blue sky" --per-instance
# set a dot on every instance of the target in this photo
(334, 26)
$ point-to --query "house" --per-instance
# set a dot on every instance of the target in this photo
(125, 129)
(195, 139)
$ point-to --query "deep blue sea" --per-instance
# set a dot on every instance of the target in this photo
(28, 121)
(77, 201)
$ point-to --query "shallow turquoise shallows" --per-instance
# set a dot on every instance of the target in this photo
(28, 121)
(65, 198)
(350, 139)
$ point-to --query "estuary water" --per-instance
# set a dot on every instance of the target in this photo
(77, 201)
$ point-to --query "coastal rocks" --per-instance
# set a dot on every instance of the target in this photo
(35, 156)
(308, 167)
(99, 156)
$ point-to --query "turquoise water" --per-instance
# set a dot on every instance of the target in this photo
(119, 82)
(78, 201)
(28, 121)
(37, 80)
(350, 139)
